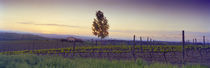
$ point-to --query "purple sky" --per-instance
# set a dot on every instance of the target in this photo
(156, 18)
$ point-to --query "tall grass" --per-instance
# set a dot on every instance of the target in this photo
(33, 61)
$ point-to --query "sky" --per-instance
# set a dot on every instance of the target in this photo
(158, 19)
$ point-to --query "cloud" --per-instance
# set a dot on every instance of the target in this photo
(60, 25)
(24, 23)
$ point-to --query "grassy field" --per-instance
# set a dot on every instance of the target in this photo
(153, 53)
(171, 54)
(33, 61)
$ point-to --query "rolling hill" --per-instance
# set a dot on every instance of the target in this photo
(18, 36)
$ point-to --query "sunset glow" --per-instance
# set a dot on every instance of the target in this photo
(156, 19)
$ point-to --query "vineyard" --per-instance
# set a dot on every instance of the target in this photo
(151, 53)
(150, 50)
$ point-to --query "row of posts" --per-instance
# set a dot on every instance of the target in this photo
(183, 45)
(150, 41)
(194, 41)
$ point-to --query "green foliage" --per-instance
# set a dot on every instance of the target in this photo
(100, 25)
(195, 66)
(33, 61)
(110, 48)
(140, 62)
(159, 65)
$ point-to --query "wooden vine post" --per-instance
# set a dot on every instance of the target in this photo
(150, 42)
(133, 49)
(183, 44)
(96, 42)
(74, 46)
(195, 41)
(140, 40)
(204, 40)
(147, 40)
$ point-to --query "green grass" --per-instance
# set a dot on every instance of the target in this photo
(33, 61)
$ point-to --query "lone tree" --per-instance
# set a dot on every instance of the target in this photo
(100, 25)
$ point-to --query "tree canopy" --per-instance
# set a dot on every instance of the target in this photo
(100, 25)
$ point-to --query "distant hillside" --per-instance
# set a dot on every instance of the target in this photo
(52, 36)
(19, 36)
(65, 36)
